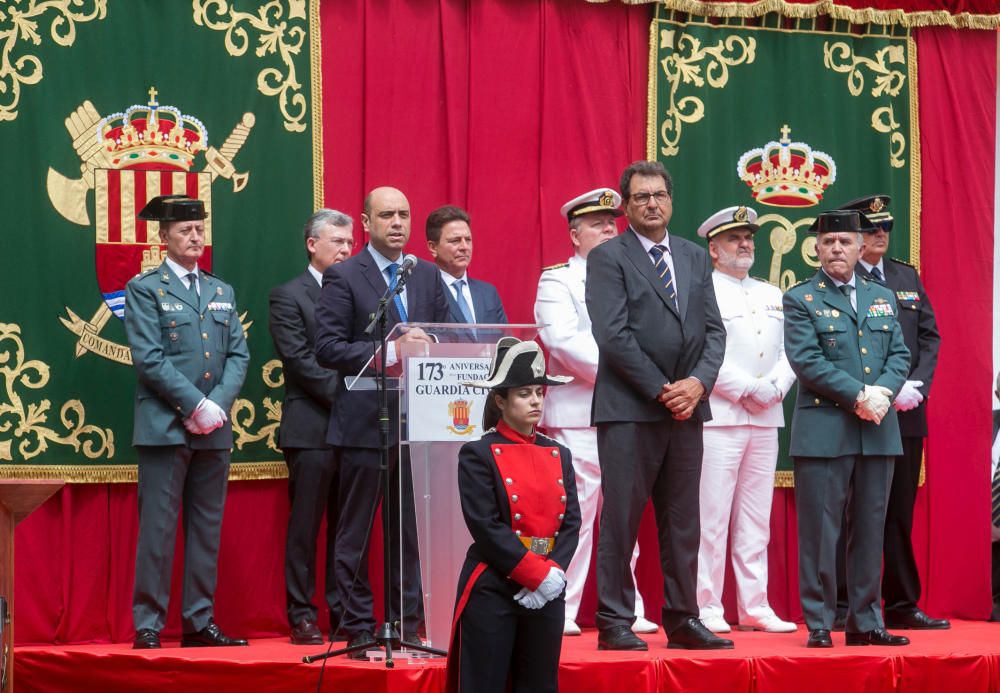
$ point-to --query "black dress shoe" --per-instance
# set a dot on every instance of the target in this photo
(879, 636)
(306, 632)
(915, 620)
(620, 638)
(693, 635)
(210, 636)
(363, 638)
(819, 638)
(146, 639)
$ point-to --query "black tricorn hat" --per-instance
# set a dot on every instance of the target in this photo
(849, 221)
(875, 207)
(517, 364)
(173, 208)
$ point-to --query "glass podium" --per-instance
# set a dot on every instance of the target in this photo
(437, 415)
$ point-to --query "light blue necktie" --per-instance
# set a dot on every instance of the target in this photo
(662, 268)
(460, 299)
(393, 280)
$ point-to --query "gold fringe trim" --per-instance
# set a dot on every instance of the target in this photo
(915, 206)
(963, 20)
(651, 95)
(316, 79)
(784, 479)
(128, 473)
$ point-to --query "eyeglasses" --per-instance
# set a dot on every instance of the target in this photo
(643, 198)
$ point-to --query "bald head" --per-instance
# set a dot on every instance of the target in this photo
(387, 221)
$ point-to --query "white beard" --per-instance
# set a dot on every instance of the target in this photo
(734, 261)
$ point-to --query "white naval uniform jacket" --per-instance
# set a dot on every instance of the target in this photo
(751, 311)
(561, 307)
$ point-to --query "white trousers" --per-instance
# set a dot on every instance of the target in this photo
(582, 442)
(737, 486)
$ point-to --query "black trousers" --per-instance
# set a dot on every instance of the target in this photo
(360, 491)
(642, 460)
(500, 640)
(900, 579)
(313, 476)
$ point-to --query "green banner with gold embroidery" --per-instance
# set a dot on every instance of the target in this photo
(790, 119)
(103, 105)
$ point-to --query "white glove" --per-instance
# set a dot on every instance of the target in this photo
(192, 427)
(529, 599)
(208, 415)
(909, 396)
(751, 405)
(875, 403)
(763, 392)
(553, 584)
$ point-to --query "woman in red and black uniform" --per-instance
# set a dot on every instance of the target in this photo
(519, 501)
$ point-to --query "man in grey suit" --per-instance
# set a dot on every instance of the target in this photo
(190, 357)
(449, 240)
(844, 342)
(661, 341)
(309, 391)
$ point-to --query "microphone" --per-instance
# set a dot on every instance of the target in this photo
(406, 266)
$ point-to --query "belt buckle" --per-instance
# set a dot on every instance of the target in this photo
(539, 545)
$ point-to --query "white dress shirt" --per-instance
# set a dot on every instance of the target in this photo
(182, 274)
(752, 314)
(317, 275)
(647, 245)
(449, 281)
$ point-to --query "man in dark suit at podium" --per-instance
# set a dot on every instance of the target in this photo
(449, 240)
(350, 296)
(305, 416)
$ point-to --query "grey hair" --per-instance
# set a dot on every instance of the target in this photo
(323, 217)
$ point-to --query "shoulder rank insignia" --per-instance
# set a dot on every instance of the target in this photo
(902, 262)
(821, 285)
(557, 266)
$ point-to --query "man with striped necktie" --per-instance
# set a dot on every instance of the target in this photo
(661, 342)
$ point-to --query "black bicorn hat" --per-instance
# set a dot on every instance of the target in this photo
(849, 221)
(517, 364)
(173, 208)
(875, 207)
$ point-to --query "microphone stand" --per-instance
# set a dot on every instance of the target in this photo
(386, 636)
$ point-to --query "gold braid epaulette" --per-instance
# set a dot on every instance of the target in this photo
(552, 267)
(902, 262)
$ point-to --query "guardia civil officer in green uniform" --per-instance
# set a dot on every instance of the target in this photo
(844, 342)
(190, 357)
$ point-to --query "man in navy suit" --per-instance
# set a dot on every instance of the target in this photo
(350, 295)
(449, 240)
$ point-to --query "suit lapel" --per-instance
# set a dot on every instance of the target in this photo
(175, 287)
(638, 256)
(832, 295)
(682, 274)
(309, 285)
(864, 291)
(378, 281)
(456, 312)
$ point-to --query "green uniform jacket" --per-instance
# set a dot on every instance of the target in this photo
(835, 354)
(182, 353)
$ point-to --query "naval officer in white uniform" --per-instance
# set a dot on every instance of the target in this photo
(741, 440)
(561, 307)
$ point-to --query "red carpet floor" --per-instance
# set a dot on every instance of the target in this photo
(965, 659)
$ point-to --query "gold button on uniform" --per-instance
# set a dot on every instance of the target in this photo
(208, 376)
(860, 333)
(207, 354)
(816, 401)
(204, 335)
(863, 350)
(173, 323)
(867, 369)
